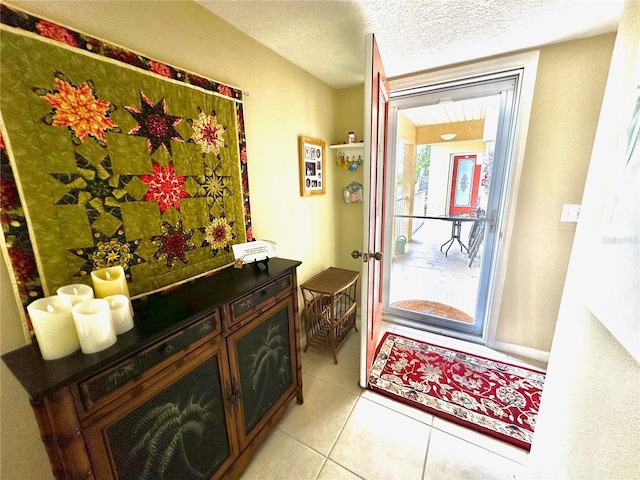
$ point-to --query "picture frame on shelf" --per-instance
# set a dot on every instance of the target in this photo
(312, 154)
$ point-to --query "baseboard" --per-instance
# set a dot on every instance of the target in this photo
(520, 351)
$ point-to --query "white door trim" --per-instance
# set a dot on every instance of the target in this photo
(527, 64)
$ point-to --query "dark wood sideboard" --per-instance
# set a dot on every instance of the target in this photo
(191, 392)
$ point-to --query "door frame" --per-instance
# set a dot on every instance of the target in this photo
(479, 87)
(526, 65)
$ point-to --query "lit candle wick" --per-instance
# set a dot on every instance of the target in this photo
(50, 308)
(108, 275)
(75, 291)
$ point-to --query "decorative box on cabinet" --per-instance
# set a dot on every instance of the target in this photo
(185, 393)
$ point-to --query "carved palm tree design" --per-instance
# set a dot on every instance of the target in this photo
(270, 360)
(167, 427)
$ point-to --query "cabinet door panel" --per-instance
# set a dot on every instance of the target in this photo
(179, 429)
(261, 363)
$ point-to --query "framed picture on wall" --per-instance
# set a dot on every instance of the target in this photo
(312, 166)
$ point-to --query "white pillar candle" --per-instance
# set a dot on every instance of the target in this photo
(77, 292)
(110, 281)
(94, 325)
(121, 313)
(53, 324)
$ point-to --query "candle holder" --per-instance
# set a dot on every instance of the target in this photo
(121, 313)
(93, 324)
(54, 327)
(110, 281)
(76, 292)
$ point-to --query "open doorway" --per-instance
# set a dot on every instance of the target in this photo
(447, 148)
(379, 206)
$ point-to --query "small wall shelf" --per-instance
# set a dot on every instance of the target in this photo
(349, 155)
(347, 146)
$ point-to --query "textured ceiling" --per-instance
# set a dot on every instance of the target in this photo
(326, 37)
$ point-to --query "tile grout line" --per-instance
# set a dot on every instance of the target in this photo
(426, 452)
(326, 457)
(359, 396)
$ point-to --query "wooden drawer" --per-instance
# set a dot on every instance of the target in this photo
(257, 301)
(102, 388)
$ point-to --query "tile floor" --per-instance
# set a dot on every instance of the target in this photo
(344, 432)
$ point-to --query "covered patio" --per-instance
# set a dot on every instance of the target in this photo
(423, 272)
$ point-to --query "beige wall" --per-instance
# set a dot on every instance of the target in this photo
(22, 455)
(283, 103)
(566, 104)
(348, 237)
(589, 421)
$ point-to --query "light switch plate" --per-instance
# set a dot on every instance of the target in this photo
(570, 213)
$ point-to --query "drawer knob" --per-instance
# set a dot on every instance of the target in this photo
(166, 350)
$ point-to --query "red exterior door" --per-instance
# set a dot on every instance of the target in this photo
(465, 179)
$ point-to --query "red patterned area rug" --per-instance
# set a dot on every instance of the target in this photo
(489, 396)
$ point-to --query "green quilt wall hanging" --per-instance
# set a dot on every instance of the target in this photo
(111, 158)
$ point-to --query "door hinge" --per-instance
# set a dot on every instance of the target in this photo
(493, 220)
(233, 394)
(237, 396)
(229, 396)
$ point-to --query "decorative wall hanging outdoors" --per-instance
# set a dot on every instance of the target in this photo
(312, 164)
(111, 158)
